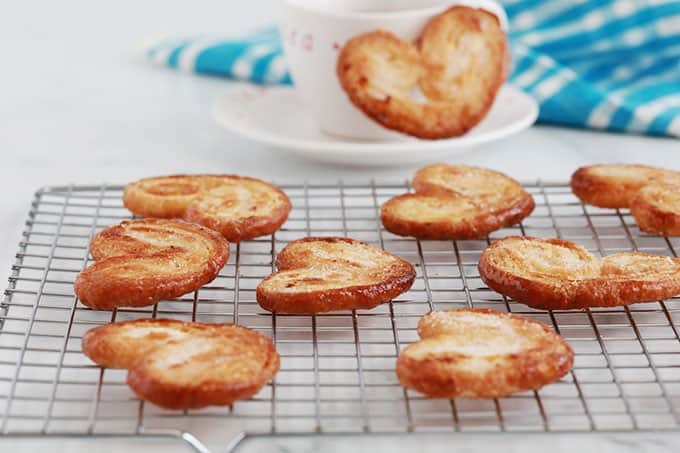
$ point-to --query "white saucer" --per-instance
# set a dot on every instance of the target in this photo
(274, 116)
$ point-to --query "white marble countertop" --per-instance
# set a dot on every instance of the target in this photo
(79, 105)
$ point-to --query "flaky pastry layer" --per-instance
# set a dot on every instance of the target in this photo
(616, 185)
(557, 274)
(321, 274)
(477, 353)
(458, 63)
(237, 206)
(456, 202)
(178, 365)
(140, 262)
(656, 209)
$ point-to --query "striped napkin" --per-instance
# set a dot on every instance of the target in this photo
(606, 64)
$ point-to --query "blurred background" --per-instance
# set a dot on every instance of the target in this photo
(85, 61)
(71, 67)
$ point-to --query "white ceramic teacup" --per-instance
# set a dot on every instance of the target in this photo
(313, 31)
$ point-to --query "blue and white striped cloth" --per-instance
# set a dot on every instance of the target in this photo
(605, 64)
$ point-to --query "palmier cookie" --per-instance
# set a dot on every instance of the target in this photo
(139, 262)
(120, 344)
(180, 365)
(615, 185)
(656, 209)
(238, 207)
(459, 62)
(321, 274)
(476, 353)
(456, 202)
(557, 274)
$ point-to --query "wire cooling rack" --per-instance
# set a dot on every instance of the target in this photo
(337, 370)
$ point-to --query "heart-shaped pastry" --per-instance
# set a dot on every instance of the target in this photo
(615, 185)
(651, 193)
(455, 68)
(237, 206)
(120, 344)
(557, 274)
(139, 262)
(656, 209)
(476, 353)
(179, 365)
(456, 202)
(321, 274)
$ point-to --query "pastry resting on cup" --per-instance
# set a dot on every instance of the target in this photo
(457, 64)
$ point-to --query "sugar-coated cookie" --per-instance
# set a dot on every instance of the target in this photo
(476, 353)
(321, 274)
(656, 209)
(237, 206)
(179, 365)
(139, 262)
(120, 344)
(456, 202)
(557, 274)
(615, 185)
(459, 62)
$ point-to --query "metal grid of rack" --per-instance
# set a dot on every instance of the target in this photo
(337, 371)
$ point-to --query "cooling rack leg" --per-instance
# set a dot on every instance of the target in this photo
(196, 444)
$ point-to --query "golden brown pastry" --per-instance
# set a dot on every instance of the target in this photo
(557, 274)
(321, 274)
(178, 365)
(456, 202)
(139, 262)
(213, 370)
(459, 62)
(238, 207)
(167, 197)
(656, 209)
(120, 344)
(476, 353)
(615, 185)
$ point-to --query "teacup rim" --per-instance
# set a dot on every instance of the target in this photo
(305, 6)
(492, 6)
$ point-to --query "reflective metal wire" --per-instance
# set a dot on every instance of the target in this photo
(337, 368)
